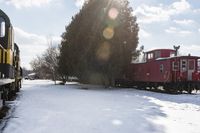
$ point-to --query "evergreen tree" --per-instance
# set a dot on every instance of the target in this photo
(98, 43)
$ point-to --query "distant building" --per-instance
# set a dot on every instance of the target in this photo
(32, 76)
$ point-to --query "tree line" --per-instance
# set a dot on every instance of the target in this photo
(97, 45)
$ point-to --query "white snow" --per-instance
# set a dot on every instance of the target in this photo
(43, 107)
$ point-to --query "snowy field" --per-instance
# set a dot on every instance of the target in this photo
(43, 107)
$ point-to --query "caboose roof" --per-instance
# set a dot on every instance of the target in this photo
(185, 57)
(160, 50)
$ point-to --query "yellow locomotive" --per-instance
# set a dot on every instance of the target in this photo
(10, 70)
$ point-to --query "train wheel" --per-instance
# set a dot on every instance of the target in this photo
(20, 84)
(4, 95)
(167, 88)
(180, 88)
(198, 87)
(11, 91)
(189, 89)
(17, 87)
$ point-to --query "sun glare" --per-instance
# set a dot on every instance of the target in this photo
(108, 33)
(113, 13)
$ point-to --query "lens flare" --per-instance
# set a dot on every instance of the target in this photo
(113, 13)
(108, 33)
(103, 52)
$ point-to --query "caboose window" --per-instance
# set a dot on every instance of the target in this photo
(172, 54)
(198, 65)
(191, 64)
(2, 27)
(157, 54)
(150, 55)
(161, 68)
(184, 65)
(175, 66)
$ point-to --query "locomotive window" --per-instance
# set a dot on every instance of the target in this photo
(175, 66)
(161, 68)
(2, 27)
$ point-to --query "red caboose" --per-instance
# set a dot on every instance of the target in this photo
(161, 67)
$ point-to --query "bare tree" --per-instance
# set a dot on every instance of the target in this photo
(51, 61)
(38, 67)
(45, 66)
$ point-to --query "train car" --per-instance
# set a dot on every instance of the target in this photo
(10, 70)
(163, 68)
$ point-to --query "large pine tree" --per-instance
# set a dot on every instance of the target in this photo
(97, 45)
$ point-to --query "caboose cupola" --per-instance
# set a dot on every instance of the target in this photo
(159, 53)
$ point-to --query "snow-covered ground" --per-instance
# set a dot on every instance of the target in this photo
(43, 107)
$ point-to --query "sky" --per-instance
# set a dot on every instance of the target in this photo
(163, 23)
